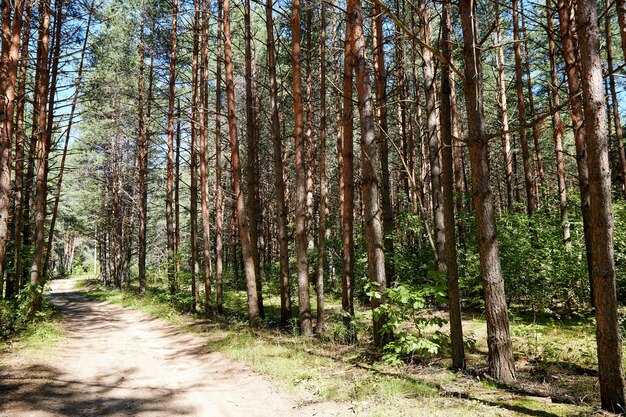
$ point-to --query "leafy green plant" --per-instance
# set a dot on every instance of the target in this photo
(407, 321)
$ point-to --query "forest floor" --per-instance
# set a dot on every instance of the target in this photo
(145, 359)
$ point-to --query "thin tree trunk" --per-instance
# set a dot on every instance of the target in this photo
(43, 147)
(369, 166)
(219, 191)
(610, 368)
(20, 136)
(142, 163)
(321, 237)
(306, 327)
(244, 230)
(504, 116)
(8, 73)
(347, 177)
(558, 127)
(521, 110)
(279, 183)
(204, 161)
(177, 191)
(169, 201)
(569, 50)
(310, 158)
(428, 72)
(501, 364)
(452, 268)
(251, 168)
(618, 124)
(380, 75)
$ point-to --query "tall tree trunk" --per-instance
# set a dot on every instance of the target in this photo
(251, 168)
(310, 152)
(204, 160)
(618, 124)
(244, 229)
(610, 368)
(501, 364)
(321, 236)
(169, 201)
(20, 137)
(306, 327)
(521, 110)
(536, 128)
(219, 191)
(504, 116)
(428, 72)
(8, 73)
(177, 190)
(43, 147)
(569, 50)
(452, 268)
(558, 127)
(369, 166)
(380, 75)
(279, 183)
(142, 163)
(347, 178)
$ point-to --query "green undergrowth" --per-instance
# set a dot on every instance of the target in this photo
(326, 370)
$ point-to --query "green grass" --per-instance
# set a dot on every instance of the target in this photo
(326, 370)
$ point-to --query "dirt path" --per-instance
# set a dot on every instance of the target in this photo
(116, 361)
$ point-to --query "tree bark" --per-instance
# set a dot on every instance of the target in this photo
(204, 161)
(501, 364)
(219, 191)
(321, 235)
(610, 368)
(619, 135)
(169, 201)
(521, 110)
(504, 116)
(369, 166)
(347, 178)
(380, 76)
(306, 327)
(569, 50)
(142, 163)
(279, 182)
(43, 148)
(242, 217)
(558, 127)
(451, 265)
(193, 162)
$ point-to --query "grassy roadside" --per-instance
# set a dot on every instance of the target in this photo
(325, 370)
(34, 340)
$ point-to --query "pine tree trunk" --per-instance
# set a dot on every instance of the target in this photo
(380, 75)
(219, 191)
(193, 162)
(569, 50)
(558, 127)
(452, 268)
(521, 110)
(244, 230)
(204, 161)
(279, 183)
(320, 324)
(169, 201)
(43, 148)
(347, 178)
(306, 327)
(369, 165)
(504, 116)
(610, 368)
(428, 73)
(8, 72)
(501, 364)
(142, 163)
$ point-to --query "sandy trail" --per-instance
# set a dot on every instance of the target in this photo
(117, 361)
